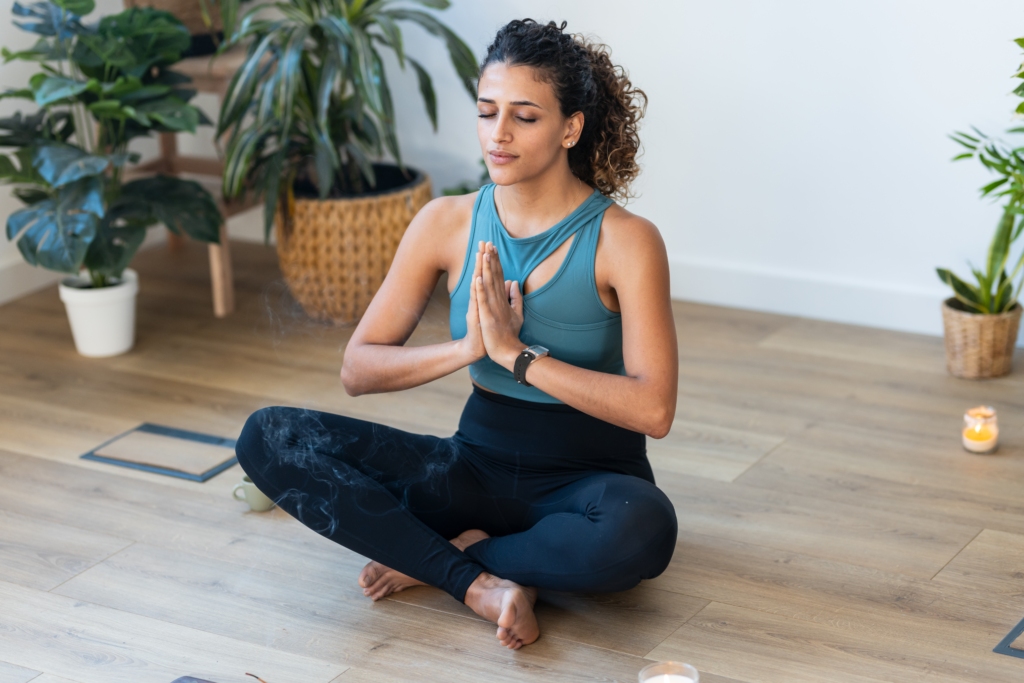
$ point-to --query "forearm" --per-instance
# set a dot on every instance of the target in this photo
(379, 368)
(628, 402)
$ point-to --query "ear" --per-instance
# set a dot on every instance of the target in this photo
(573, 130)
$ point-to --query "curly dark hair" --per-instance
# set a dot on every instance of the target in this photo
(584, 80)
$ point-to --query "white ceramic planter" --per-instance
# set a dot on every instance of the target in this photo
(102, 320)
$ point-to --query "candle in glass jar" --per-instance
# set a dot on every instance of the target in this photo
(981, 431)
(669, 672)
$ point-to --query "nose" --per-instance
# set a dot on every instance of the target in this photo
(500, 132)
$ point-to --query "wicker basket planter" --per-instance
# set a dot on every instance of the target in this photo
(335, 253)
(979, 346)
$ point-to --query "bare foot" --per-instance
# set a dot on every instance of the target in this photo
(379, 581)
(509, 605)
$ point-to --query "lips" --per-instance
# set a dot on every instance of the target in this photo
(501, 157)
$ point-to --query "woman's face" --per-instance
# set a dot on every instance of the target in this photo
(521, 127)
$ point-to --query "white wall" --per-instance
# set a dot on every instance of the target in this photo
(796, 153)
(796, 157)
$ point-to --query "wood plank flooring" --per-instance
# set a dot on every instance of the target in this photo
(831, 526)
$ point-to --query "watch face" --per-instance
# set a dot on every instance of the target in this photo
(537, 349)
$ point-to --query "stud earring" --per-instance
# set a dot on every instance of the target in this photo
(572, 142)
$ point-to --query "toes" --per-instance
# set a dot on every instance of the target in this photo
(368, 576)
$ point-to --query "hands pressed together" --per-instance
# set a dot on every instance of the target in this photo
(495, 314)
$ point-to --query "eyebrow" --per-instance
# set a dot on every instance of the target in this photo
(526, 103)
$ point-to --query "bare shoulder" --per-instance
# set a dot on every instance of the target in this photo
(440, 227)
(446, 213)
(628, 240)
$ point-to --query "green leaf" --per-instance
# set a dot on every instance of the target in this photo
(427, 91)
(184, 206)
(60, 163)
(965, 144)
(369, 75)
(171, 112)
(112, 249)
(964, 292)
(461, 56)
(965, 155)
(365, 166)
(393, 34)
(993, 185)
(55, 233)
(387, 122)
(56, 88)
(79, 7)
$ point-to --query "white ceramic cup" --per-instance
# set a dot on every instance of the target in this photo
(257, 501)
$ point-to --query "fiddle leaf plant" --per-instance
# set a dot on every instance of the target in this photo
(312, 102)
(994, 292)
(100, 86)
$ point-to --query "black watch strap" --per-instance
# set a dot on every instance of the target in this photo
(523, 361)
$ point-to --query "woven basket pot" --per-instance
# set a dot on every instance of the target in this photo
(335, 253)
(979, 346)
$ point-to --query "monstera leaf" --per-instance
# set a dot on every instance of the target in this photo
(182, 205)
(55, 233)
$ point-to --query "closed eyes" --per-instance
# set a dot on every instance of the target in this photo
(488, 116)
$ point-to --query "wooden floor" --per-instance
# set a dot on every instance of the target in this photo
(831, 526)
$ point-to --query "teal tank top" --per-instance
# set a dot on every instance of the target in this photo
(565, 315)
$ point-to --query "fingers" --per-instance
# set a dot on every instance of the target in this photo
(499, 272)
(490, 286)
(472, 310)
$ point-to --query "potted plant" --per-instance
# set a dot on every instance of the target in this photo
(100, 87)
(308, 112)
(981, 321)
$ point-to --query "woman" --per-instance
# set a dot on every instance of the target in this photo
(546, 483)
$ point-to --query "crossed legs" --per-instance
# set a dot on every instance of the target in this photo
(397, 497)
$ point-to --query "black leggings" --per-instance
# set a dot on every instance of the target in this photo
(569, 500)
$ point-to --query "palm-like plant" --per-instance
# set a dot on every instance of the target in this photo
(994, 292)
(311, 102)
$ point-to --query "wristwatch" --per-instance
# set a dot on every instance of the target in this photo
(523, 360)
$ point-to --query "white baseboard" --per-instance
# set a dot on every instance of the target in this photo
(894, 307)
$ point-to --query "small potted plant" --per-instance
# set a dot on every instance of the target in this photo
(100, 87)
(981, 321)
(308, 112)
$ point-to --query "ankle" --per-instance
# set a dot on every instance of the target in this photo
(480, 586)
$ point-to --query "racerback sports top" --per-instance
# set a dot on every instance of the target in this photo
(565, 315)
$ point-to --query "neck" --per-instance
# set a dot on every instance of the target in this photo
(532, 206)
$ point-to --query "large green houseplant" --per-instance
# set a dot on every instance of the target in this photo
(99, 87)
(308, 114)
(982, 320)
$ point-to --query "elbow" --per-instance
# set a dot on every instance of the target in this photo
(348, 380)
(661, 426)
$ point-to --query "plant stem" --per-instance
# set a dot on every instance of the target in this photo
(98, 279)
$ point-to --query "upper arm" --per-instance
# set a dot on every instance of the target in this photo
(639, 274)
(396, 308)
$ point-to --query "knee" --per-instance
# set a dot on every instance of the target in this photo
(252, 442)
(647, 526)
